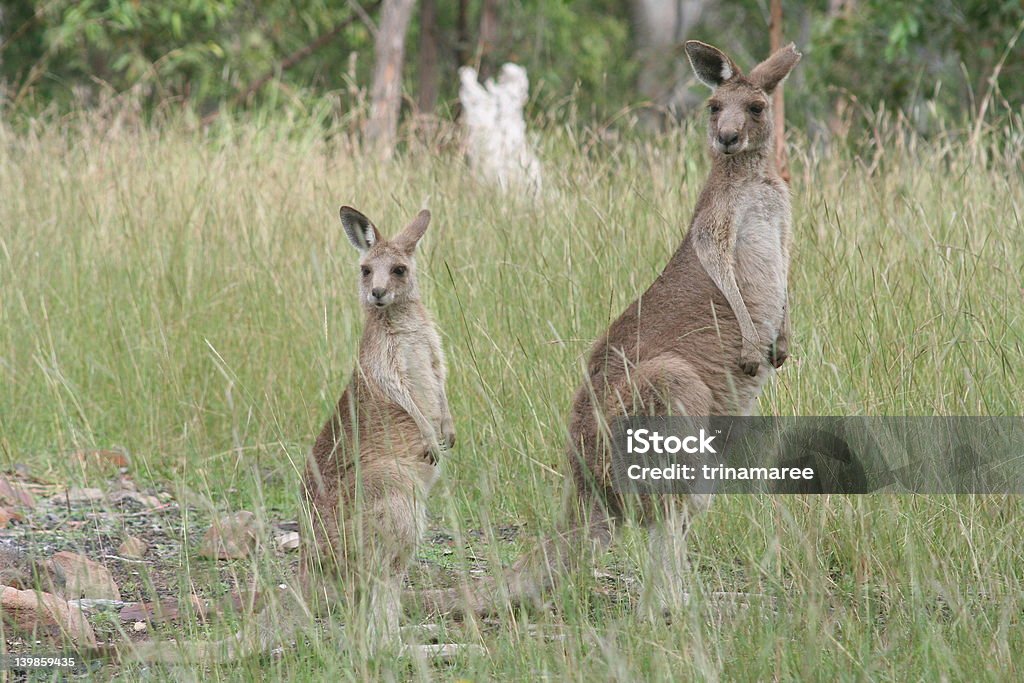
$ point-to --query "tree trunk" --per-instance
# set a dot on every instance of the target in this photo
(428, 57)
(386, 87)
(488, 37)
(462, 34)
(837, 122)
(778, 102)
(659, 28)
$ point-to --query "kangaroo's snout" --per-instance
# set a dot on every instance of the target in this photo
(729, 142)
(380, 297)
(728, 138)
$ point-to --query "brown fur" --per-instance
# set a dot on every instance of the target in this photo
(375, 460)
(371, 467)
(698, 342)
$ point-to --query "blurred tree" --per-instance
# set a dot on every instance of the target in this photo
(778, 101)
(488, 38)
(429, 54)
(660, 28)
(386, 86)
(589, 58)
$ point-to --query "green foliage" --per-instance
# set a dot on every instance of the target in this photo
(574, 46)
(203, 51)
(126, 41)
(931, 60)
(908, 53)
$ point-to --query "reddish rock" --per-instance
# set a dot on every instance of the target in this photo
(78, 495)
(230, 537)
(165, 610)
(15, 568)
(45, 614)
(142, 499)
(15, 494)
(133, 547)
(83, 578)
(102, 459)
(7, 516)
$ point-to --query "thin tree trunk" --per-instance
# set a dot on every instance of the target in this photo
(428, 57)
(488, 37)
(837, 120)
(386, 88)
(462, 34)
(778, 102)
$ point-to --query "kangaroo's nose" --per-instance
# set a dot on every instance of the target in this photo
(378, 292)
(728, 139)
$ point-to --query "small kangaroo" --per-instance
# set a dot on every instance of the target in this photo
(700, 341)
(372, 466)
(376, 459)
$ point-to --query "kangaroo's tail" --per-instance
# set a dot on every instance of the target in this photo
(527, 582)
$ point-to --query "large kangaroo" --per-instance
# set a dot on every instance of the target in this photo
(700, 341)
(373, 464)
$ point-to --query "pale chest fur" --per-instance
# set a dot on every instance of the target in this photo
(761, 220)
(415, 355)
(408, 356)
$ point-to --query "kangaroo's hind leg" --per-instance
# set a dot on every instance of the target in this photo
(668, 385)
(382, 538)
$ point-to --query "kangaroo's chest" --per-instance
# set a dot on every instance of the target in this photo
(761, 263)
(414, 356)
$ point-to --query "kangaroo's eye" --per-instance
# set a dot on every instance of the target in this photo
(714, 108)
(398, 271)
(756, 109)
(366, 271)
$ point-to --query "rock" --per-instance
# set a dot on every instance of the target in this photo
(15, 494)
(166, 610)
(15, 568)
(7, 516)
(230, 537)
(41, 613)
(104, 459)
(142, 499)
(133, 547)
(288, 541)
(139, 626)
(83, 578)
(78, 495)
(162, 611)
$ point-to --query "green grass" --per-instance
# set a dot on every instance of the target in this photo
(190, 297)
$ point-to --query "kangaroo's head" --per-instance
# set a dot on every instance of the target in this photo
(740, 106)
(387, 267)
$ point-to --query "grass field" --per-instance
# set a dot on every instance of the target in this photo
(190, 298)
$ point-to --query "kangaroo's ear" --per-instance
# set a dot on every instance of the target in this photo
(408, 238)
(361, 232)
(768, 74)
(710, 64)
